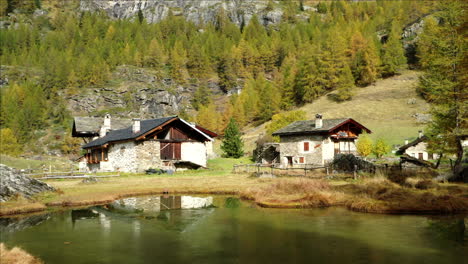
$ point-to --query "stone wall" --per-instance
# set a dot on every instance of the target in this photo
(138, 157)
(122, 157)
(149, 155)
(294, 146)
(194, 152)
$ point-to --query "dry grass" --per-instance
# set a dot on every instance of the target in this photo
(16, 256)
(20, 205)
(293, 193)
(383, 196)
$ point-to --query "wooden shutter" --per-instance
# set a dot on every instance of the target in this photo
(306, 146)
(301, 160)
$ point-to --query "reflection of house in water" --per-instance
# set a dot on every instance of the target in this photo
(166, 210)
(91, 213)
(160, 203)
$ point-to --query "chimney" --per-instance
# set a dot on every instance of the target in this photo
(136, 125)
(318, 121)
(420, 134)
(106, 126)
(406, 142)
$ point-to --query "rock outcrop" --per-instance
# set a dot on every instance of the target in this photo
(13, 183)
(239, 12)
(136, 92)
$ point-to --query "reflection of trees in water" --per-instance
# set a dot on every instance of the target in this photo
(450, 228)
(232, 202)
(10, 225)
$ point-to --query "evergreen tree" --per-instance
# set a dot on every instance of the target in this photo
(345, 84)
(232, 144)
(364, 60)
(202, 97)
(393, 54)
(442, 49)
(225, 70)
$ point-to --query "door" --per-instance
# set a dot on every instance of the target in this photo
(290, 161)
(420, 156)
(171, 150)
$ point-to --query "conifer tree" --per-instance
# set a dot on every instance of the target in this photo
(442, 49)
(345, 84)
(232, 144)
(225, 70)
(393, 54)
(201, 97)
(364, 60)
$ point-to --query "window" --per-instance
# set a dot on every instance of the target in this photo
(301, 160)
(306, 146)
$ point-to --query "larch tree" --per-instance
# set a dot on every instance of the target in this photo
(393, 54)
(442, 52)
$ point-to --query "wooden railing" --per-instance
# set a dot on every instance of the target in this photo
(68, 175)
(305, 170)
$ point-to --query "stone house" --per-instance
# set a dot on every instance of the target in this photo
(417, 149)
(317, 141)
(168, 142)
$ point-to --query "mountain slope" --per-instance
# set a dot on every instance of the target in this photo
(390, 108)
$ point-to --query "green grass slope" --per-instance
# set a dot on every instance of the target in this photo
(383, 107)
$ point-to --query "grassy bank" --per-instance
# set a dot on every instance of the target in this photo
(376, 195)
(372, 195)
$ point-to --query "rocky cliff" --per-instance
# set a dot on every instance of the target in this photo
(135, 91)
(198, 11)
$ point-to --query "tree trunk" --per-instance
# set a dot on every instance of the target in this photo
(458, 161)
(438, 161)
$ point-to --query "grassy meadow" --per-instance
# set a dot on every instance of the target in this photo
(385, 107)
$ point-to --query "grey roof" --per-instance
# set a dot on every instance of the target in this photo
(308, 127)
(127, 133)
(411, 144)
(93, 124)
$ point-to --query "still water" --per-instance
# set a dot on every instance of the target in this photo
(185, 229)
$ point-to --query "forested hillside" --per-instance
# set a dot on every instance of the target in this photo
(62, 51)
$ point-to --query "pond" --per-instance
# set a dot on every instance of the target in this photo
(186, 229)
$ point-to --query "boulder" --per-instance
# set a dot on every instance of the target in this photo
(13, 183)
